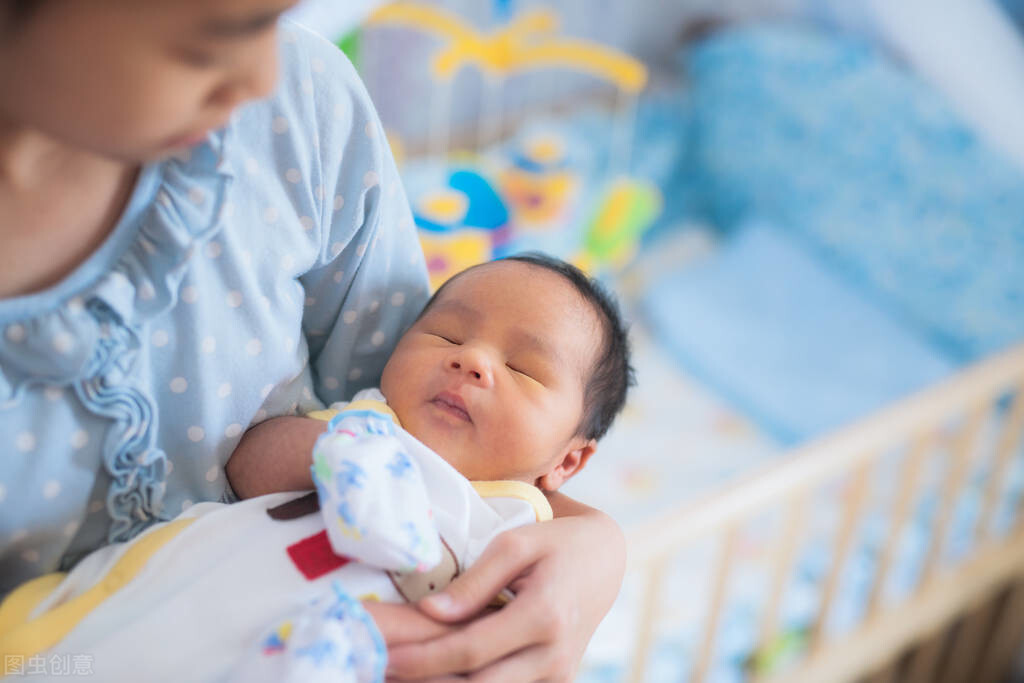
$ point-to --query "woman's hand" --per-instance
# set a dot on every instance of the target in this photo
(400, 624)
(565, 573)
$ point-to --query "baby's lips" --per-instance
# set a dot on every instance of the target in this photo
(453, 401)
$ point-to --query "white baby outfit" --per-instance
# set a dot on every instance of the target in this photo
(225, 592)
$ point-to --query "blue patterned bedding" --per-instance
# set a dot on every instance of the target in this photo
(830, 139)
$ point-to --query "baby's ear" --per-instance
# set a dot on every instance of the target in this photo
(572, 461)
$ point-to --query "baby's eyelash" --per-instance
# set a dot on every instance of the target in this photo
(517, 370)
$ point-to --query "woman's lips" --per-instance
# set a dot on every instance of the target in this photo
(187, 140)
(451, 404)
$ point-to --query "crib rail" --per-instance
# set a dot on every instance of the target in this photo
(971, 399)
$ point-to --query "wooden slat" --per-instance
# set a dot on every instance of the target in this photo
(904, 499)
(956, 473)
(654, 581)
(720, 577)
(881, 639)
(844, 540)
(886, 674)
(1006, 641)
(827, 458)
(789, 541)
(968, 645)
(1009, 438)
(926, 659)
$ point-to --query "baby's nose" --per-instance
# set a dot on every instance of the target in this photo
(474, 364)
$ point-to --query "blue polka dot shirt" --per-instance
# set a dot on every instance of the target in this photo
(265, 272)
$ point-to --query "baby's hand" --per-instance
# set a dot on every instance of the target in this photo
(373, 500)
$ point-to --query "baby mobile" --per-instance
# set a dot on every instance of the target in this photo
(529, 195)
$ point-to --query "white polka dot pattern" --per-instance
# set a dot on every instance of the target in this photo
(271, 274)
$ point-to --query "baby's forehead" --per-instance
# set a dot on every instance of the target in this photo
(546, 303)
(511, 279)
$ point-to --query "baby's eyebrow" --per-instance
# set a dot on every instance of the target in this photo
(456, 307)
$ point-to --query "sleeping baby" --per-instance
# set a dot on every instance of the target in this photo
(499, 391)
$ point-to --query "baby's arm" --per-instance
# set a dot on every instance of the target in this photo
(273, 456)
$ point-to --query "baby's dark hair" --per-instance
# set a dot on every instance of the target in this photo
(604, 393)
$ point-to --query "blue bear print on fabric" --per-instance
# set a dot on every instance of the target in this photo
(349, 476)
(323, 653)
(347, 515)
(414, 536)
(400, 465)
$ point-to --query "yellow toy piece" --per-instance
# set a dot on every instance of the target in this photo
(444, 206)
(538, 186)
(527, 42)
(446, 252)
(449, 253)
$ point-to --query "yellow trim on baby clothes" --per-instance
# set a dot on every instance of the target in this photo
(502, 488)
(329, 414)
(16, 609)
(516, 489)
(24, 637)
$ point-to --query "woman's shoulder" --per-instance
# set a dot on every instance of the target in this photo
(319, 95)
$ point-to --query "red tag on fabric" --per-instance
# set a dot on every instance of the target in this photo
(314, 556)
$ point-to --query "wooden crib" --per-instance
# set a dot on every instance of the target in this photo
(963, 621)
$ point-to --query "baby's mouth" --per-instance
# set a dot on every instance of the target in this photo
(451, 404)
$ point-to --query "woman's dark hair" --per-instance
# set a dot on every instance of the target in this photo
(18, 11)
(604, 394)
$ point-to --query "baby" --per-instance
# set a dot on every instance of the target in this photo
(510, 375)
(499, 390)
(513, 370)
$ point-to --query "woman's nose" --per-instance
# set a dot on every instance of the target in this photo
(255, 77)
(474, 364)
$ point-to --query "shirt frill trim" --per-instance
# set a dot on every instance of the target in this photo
(53, 345)
(84, 333)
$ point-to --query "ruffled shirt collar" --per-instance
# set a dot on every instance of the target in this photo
(49, 337)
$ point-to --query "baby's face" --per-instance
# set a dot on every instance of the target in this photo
(491, 377)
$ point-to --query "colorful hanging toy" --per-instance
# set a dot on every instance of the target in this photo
(480, 212)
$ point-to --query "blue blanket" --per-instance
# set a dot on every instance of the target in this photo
(830, 140)
(784, 338)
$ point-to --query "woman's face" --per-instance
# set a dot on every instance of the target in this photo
(135, 79)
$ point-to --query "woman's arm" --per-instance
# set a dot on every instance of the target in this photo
(273, 456)
(565, 573)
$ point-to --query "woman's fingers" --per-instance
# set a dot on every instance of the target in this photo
(522, 667)
(504, 560)
(404, 623)
(486, 640)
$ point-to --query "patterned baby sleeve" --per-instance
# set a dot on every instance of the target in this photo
(372, 495)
